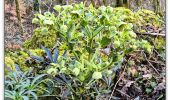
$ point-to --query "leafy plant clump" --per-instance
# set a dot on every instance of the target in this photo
(70, 21)
(87, 46)
(24, 86)
(20, 58)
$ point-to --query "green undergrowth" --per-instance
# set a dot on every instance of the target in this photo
(80, 48)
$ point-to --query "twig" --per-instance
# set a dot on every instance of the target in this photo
(157, 62)
(51, 4)
(159, 55)
(118, 80)
(46, 5)
(123, 93)
(154, 34)
(151, 64)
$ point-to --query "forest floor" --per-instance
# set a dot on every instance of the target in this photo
(145, 74)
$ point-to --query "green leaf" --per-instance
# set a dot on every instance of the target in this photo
(102, 8)
(132, 34)
(57, 8)
(63, 28)
(97, 31)
(44, 30)
(41, 17)
(153, 84)
(35, 20)
(76, 71)
(148, 90)
(48, 22)
(87, 31)
(52, 71)
(33, 94)
(81, 77)
(105, 41)
(84, 23)
(37, 78)
(97, 75)
(108, 72)
(117, 44)
(25, 98)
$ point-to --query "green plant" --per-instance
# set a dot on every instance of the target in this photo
(146, 17)
(9, 63)
(24, 86)
(20, 58)
(66, 26)
(93, 43)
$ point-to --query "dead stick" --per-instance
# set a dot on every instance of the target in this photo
(154, 34)
(150, 64)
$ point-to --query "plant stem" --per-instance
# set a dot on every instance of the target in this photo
(91, 47)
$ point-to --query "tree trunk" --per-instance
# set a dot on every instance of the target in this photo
(157, 7)
(119, 3)
(126, 3)
(19, 16)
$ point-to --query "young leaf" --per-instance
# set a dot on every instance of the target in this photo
(48, 22)
(57, 8)
(76, 71)
(35, 21)
(97, 75)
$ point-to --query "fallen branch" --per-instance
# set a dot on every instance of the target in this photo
(154, 34)
(157, 62)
